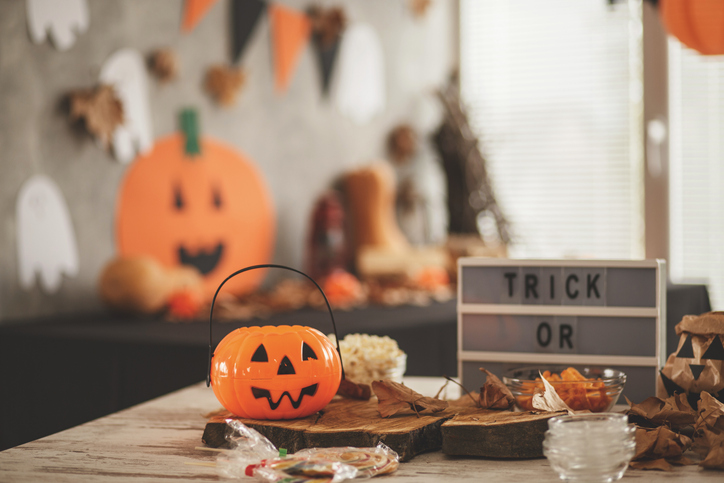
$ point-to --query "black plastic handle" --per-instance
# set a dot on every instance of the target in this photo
(254, 267)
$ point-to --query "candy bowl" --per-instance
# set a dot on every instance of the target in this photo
(593, 389)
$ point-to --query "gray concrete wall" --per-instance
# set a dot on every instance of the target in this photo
(299, 140)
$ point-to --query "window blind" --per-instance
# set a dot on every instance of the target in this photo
(696, 177)
(554, 92)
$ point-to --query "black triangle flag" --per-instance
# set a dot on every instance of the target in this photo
(245, 15)
(687, 349)
(327, 55)
(715, 350)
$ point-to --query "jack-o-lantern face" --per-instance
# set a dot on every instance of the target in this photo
(698, 364)
(211, 211)
(275, 372)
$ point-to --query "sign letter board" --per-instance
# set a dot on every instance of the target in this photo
(580, 313)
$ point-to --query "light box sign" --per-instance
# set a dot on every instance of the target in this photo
(581, 313)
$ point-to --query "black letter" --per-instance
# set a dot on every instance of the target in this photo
(531, 282)
(553, 292)
(510, 276)
(592, 285)
(547, 327)
(568, 286)
(566, 331)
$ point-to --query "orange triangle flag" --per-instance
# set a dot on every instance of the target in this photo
(290, 33)
(194, 11)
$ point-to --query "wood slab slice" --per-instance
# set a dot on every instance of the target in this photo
(496, 434)
(344, 422)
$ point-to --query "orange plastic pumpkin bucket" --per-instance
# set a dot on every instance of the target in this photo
(274, 372)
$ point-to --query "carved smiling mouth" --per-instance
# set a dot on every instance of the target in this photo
(203, 261)
(264, 393)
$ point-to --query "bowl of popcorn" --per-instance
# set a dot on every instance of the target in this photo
(368, 358)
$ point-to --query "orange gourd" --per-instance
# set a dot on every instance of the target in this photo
(269, 372)
(698, 24)
(210, 210)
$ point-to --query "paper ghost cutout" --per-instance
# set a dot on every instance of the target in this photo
(361, 86)
(61, 19)
(45, 236)
(125, 70)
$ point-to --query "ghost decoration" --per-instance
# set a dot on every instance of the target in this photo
(61, 20)
(360, 91)
(45, 237)
(125, 70)
(698, 363)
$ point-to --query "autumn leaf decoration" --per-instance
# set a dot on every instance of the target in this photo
(353, 390)
(494, 394)
(394, 397)
(100, 109)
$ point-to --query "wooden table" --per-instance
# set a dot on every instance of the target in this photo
(157, 440)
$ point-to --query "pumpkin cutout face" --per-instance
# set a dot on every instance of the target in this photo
(698, 363)
(275, 372)
(211, 211)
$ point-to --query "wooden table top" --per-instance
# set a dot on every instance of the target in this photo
(158, 440)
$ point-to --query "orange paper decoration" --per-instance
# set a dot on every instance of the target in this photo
(698, 24)
(194, 11)
(211, 211)
(290, 33)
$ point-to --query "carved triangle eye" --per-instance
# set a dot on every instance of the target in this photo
(307, 352)
(260, 354)
(687, 349)
(715, 350)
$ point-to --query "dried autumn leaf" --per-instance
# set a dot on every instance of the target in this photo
(471, 400)
(659, 443)
(394, 397)
(223, 83)
(494, 394)
(549, 400)
(353, 390)
(327, 24)
(419, 7)
(711, 413)
(715, 458)
(100, 109)
(658, 464)
(674, 411)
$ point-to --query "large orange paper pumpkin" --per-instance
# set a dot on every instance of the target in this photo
(275, 372)
(210, 210)
(698, 24)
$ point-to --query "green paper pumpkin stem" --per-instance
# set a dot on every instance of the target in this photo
(190, 129)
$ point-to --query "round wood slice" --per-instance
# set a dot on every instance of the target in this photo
(496, 434)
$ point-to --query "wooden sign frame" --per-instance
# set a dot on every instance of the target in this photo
(525, 308)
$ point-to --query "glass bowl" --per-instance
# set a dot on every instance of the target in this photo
(590, 447)
(598, 394)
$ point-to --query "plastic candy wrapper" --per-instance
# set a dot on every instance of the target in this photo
(254, 455)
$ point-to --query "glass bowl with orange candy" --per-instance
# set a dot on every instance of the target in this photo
(592, 389)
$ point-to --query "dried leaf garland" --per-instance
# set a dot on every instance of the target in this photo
(394, 397)
(223, 83)
(709, 436)
(494, 394)
(164, 65)
(353, 390)
(659, 443)
(100, 109)
(327, 24)
(674, 411)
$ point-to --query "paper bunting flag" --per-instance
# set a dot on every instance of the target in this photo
(61, 20)
(245, 15)
(327, 28)
(194, 11)
(361, 74)
(45, 236)
(290, 33)
(125, 70)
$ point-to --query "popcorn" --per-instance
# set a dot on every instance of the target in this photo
(368, 358)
